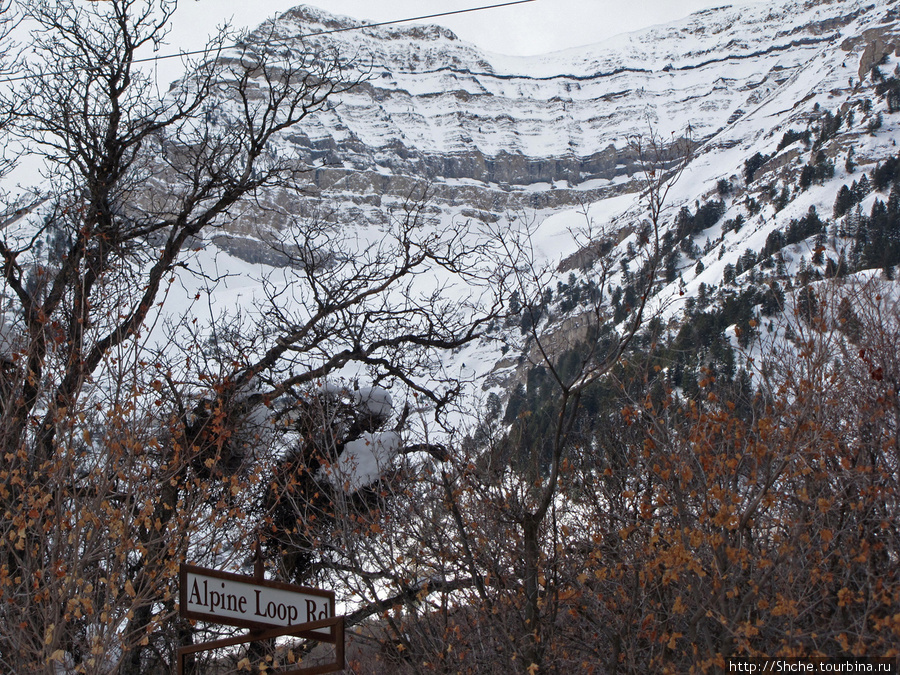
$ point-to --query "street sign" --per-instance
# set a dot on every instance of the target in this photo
(250, 602)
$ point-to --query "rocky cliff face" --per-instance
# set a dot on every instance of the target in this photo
(498, 134)
(537, 140)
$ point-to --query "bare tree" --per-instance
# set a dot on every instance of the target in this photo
(466, 568)
(599, 350)
(121, 458)
(686, 528)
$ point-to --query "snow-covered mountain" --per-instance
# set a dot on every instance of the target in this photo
(546, 140)
(496, 133)
(440, 109)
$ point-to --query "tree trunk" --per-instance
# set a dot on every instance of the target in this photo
(534, 649)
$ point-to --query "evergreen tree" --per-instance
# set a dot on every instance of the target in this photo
(729, 274)
(807, 304)
(849, 164)
(848, 322)
(844, 201)
(752, 164)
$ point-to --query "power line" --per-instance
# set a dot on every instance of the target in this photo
(307, 35)
(348, 28)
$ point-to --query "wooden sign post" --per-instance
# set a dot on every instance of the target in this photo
(268, 609)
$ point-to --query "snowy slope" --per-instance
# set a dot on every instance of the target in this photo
(491, 134)
(433, 93)
(542, 140)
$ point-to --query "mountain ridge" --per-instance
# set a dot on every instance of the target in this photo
(506, 147)
(389, 110)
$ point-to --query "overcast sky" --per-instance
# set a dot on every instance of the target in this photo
(536, 27)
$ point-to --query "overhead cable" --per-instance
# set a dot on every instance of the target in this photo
(308, 35)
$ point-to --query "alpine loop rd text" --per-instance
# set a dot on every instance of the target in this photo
(812, 665)
(231, 601)
(222, 597)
